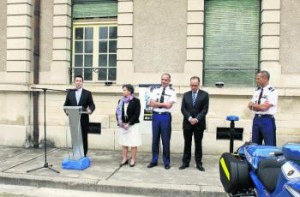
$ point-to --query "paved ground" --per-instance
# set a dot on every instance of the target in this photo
(29, 191)
(105, 175)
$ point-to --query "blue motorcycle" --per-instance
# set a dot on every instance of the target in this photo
(263, 171)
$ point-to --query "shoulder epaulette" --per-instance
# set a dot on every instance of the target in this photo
(271, 89)
(154, 87)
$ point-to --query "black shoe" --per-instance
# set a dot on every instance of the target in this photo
(201, 168)
(183, 166)
(123, 163)
(167, 167)
(151, 165)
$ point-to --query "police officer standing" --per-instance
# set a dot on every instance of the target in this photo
(162, 100)
(264, 105)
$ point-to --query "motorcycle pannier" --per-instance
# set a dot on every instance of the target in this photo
(234, 174)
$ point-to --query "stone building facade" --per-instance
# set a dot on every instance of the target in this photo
(153, 36)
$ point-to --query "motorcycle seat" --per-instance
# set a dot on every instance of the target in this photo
(268, 171)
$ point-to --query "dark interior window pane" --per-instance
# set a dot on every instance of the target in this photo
(103, 60)
(103, 47)
(102, 74)
(77, 71)
(88, 61)
(113, 46)
(112, 74)
(88, 47)
(112, 60)
(88, 74)
(78, 61)
(78, 47)
(103, 32)
(88, 33)
(79, 33)
(112, 32)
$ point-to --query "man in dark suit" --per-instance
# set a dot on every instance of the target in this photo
(81, 97)
(194, 109)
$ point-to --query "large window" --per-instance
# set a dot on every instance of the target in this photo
(95, 52)
(231, 42)
(94, 44)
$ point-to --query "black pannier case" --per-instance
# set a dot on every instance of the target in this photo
(234, 174)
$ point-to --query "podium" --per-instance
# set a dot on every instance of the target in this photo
(77, 161)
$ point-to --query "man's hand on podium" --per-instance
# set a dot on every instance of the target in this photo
(88, 111)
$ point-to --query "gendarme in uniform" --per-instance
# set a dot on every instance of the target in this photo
(264, 127)
(161, 123)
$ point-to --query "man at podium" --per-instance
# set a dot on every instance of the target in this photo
(81, 97)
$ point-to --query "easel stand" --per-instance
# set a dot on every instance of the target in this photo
(46, 165)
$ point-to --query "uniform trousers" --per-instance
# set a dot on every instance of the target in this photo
(161, 126)
(264, 129)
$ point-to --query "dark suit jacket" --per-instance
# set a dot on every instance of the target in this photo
(86, 100)
(198, 111)
(133, 112)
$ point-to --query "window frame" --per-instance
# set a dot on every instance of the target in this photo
(96, 39)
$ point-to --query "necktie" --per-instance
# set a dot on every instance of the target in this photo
(194, 98)
(260, 95)
(161, 100)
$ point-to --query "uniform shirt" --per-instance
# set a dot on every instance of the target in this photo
(269, 95)
(170, 96)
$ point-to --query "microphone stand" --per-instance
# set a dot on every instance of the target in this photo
(46, 165)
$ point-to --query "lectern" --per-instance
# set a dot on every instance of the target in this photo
(77, 161)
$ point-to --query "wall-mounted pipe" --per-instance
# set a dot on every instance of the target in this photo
(36, 71)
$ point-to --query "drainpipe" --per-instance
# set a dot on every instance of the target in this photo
(36, 71)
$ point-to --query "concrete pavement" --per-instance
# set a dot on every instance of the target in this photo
(29, 191)
(105, 175)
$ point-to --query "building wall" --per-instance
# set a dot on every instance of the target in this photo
(156, 32)
(46, 37)
(56, 36)
(289, 39)
(16, 119)
(16, 57)
(19, 46)
(130, 35)
(2, 36)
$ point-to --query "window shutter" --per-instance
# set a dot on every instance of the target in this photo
(94, 8)
(231, 44)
